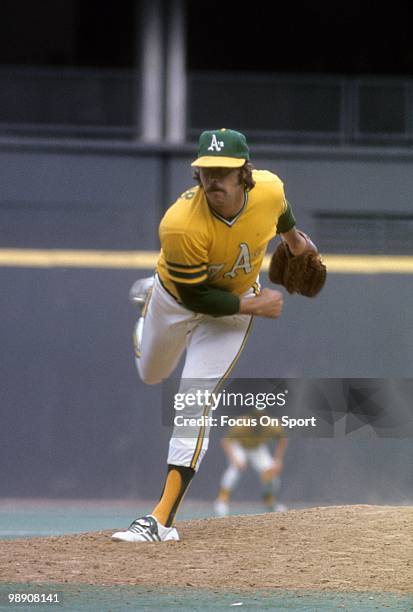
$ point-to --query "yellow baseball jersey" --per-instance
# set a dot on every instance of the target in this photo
(199, 245)
(249, 436)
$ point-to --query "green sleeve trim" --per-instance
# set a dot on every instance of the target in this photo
(208, 300)
(188, 275)
(172, 264)
(286, 221)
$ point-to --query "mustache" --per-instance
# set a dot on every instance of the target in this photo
(215, 189)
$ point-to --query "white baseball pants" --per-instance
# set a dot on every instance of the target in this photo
(259, 458)
(213, 346)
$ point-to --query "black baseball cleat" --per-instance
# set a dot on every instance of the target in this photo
(146, 529)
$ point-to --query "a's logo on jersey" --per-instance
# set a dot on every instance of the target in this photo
(243, 262)
(216, 145)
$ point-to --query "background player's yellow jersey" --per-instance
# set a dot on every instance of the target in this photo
(199, 245)
(250, 436)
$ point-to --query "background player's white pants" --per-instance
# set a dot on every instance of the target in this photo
(213, 345)
(259, 458)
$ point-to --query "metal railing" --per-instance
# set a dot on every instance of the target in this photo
(64, 101)
(271, 108)
(309, 109)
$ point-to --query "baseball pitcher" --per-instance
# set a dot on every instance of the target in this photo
(205, 293)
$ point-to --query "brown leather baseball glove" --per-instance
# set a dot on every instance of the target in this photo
(304, 274)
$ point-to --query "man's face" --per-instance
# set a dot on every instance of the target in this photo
(222, 185)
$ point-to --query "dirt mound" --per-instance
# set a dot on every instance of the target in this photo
(341, 548)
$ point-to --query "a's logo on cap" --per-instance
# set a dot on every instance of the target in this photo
(216, 145)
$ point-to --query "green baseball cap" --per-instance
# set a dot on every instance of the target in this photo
(222, 149)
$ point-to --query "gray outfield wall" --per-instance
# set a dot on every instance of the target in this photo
(76, 420)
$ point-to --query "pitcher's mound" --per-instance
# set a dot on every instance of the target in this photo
(340, 548)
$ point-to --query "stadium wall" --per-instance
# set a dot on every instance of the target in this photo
(76, 420)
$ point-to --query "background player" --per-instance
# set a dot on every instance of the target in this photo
(205, 294)
(250, 445)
